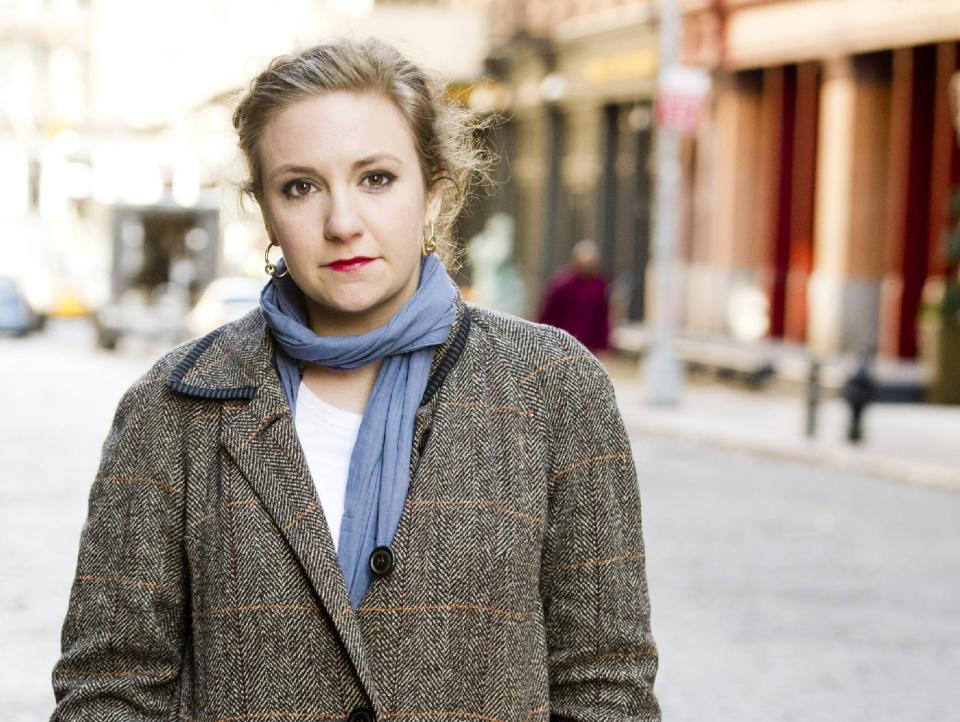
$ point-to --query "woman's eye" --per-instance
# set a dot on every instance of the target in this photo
(298, 188)
(378, 179)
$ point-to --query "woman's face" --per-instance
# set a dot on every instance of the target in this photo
(341, 182)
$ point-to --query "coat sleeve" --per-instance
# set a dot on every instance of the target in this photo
(123, 637)
(602, 657)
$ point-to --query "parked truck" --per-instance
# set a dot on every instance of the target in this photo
(162, 256)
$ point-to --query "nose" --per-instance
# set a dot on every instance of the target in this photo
(342, 223)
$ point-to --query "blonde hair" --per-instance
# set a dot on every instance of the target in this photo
(445, 135)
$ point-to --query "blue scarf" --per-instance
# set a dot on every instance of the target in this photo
(378, 477)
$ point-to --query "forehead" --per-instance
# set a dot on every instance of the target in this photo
(335, 127)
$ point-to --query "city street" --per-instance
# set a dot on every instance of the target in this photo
(781, 590)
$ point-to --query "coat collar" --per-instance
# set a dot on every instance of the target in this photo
(236, 362)
(233, 361)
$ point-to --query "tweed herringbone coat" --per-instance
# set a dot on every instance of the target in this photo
(208, 586)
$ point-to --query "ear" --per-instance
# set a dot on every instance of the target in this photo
(268, 226)
(432, 211)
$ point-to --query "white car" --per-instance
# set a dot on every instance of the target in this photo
(224, 300)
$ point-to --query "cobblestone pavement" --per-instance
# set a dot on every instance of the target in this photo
(781, 591)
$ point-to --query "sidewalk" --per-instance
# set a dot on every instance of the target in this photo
(788, 360)
(916, 443)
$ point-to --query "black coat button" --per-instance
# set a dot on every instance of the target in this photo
(361, 714)
(381, 561)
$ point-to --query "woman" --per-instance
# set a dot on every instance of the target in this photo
(366, 499)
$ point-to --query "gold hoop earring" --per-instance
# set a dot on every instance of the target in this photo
(269, 267)
(429, 244)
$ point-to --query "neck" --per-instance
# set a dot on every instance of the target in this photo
(325, 322)
(348, 390)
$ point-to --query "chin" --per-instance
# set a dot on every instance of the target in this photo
(357, 303)
(363, 301)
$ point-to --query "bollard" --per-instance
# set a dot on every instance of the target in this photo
(858, 392)
(813, 397)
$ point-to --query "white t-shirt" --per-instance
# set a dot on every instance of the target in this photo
(327, 435)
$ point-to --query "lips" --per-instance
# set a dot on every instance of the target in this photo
(350, 264)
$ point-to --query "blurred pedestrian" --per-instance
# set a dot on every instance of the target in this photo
(577, 298)
(365, 499)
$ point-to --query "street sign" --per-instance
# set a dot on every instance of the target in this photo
(681, 98)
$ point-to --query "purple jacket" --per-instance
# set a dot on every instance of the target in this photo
(579, 305)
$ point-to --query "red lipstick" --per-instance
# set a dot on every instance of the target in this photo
(350, 264)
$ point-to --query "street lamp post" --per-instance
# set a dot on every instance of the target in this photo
(662, 369)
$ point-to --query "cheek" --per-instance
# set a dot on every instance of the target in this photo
(402, 228)
(296, 232)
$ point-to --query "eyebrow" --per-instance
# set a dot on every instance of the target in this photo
(370, 159)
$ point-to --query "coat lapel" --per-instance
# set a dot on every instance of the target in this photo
(236, 362)
(262, 440)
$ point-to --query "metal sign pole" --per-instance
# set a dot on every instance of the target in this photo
(662, 368)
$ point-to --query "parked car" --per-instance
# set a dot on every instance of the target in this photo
(222, 301)
(16, 315)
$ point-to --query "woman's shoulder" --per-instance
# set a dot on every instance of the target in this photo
(536, 353)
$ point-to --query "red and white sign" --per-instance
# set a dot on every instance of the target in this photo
(682, 98)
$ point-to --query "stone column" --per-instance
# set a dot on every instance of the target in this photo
(731, 257)
(833, 221)
(850, 224)
(868, 231)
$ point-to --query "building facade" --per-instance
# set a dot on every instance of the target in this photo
(816, 187)
(823, 173)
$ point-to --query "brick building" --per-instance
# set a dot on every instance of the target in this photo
(823, 174)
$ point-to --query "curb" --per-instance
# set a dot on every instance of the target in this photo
(911, 472)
